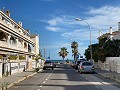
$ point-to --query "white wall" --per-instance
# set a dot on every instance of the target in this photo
(113, 64)
(17, 67)
(1, 70)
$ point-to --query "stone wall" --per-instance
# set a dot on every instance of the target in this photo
(111, 64)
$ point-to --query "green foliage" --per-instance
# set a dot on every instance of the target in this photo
(105, 48)
(13, 57)
(1, 56)
(37, 58)
(63, 53)
(37, 70)
(33, 58)
(74, 47)
(22, 57)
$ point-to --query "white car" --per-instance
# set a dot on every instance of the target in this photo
(86, 66)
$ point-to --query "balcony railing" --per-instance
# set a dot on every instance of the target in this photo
(14, 29)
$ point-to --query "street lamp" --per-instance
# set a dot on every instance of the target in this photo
(78, 19)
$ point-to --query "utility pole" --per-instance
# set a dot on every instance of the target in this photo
(44, 52)
(49, 54)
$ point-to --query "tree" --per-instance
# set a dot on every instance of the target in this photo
(74, 47)
(63, 52)
(105, 48)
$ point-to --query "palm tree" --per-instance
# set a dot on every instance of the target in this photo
(63, 53)
(74, 47)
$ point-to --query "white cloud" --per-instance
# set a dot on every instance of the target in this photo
(54, 29)
(52, 22)
(62, 22)
(100, 19)
(104, 17)
(82, 35)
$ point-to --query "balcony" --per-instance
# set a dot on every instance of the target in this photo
(18, 31)
(8, 46)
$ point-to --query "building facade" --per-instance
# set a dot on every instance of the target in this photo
(15, 43)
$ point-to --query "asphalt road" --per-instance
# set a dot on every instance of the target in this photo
(66, 78)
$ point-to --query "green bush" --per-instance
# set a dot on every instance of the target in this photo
(13, 57)
(1, 56)
(22, 57)
(36, 70)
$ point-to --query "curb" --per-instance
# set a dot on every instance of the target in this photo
(20, 80)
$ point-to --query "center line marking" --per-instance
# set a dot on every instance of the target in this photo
(41, 86)
(44, 82)
(46, 79)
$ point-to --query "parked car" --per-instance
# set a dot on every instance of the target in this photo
(54, 64)
(86, 66)
(48, 64)
(78, 62)
(71, 64)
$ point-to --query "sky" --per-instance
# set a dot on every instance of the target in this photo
(54, 21)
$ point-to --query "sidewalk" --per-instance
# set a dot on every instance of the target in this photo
(109, 74)
(16, 78)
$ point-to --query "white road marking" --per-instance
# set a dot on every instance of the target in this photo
(49, 75)
(46, 79)
(38, 89)
(41, 85)
(44, 82)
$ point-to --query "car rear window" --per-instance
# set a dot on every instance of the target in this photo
(87, 64)
(47, 62)
(78, 62)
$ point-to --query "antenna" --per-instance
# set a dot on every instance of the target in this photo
(44, 51)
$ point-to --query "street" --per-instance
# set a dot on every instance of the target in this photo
(65, 77)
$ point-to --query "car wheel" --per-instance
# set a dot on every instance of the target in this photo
(80, 72)
(52, 68)
(43, 68)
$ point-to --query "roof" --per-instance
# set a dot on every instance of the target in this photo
(107, 34)
(33, 35)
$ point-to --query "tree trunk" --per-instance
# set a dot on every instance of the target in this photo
(63, 60)
(74, 57)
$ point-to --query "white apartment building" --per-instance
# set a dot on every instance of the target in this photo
(16, 41)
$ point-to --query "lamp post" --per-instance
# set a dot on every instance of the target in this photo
(78, 19)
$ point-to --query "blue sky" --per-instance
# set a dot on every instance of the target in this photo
(54, 21)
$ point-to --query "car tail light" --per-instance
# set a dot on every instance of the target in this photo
(93, 67)
(81, 67)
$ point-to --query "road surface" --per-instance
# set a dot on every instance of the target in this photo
(66, 78)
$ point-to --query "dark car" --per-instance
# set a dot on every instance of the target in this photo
(54, 64)
(48, 64)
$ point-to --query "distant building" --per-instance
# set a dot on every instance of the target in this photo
(15, 40)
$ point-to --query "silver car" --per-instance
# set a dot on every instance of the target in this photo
(86, 66)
